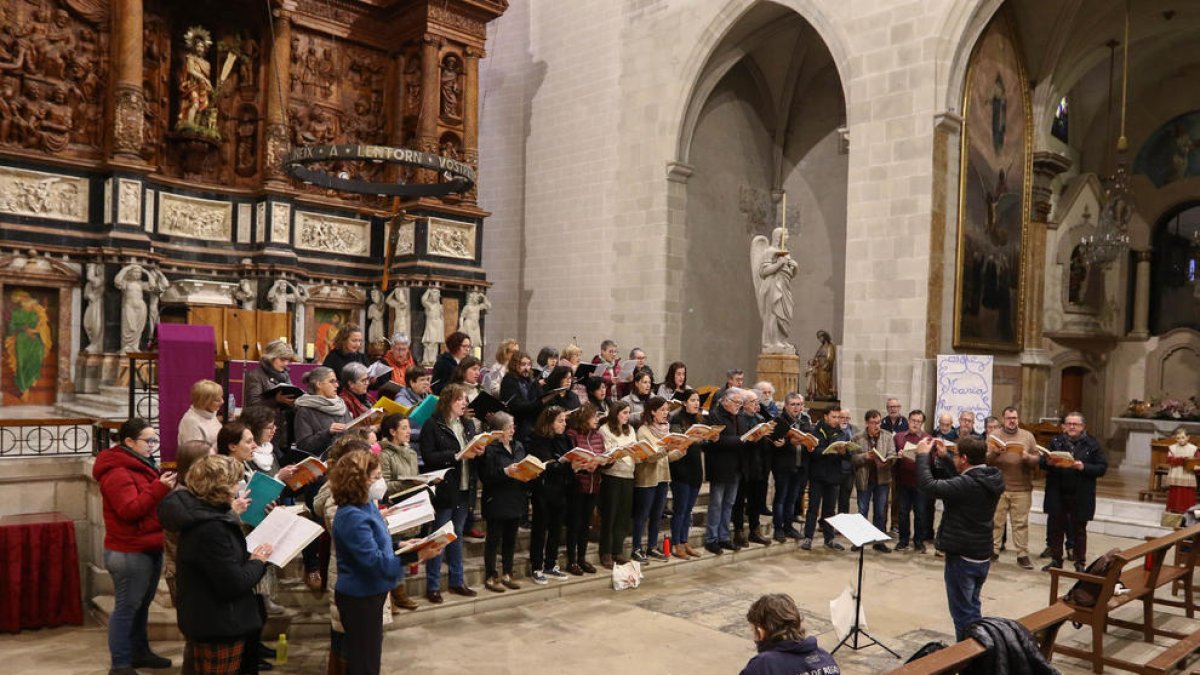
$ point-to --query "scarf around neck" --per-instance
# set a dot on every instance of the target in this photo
(334, 407)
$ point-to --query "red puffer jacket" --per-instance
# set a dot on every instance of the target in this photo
(131, 491)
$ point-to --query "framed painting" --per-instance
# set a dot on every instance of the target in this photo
(327, 323)
(994, 193)
(29, 368)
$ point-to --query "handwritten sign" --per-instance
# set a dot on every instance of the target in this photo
(964, 382)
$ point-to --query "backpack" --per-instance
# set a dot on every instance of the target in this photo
(1085, 593)
(927, 649)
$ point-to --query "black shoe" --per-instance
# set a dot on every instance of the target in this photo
(264, 666)
(881, 547)
(1080, 567)
(779, 537)
(151, 660)
(1070, 554)
(793, 533)
(714, 548)
(830, 543)
(728, 546)
(1052, 565)
(1046, 553)
(122, 671)
(856, 548)
(919, 548)
(768, 512)
(265, 652)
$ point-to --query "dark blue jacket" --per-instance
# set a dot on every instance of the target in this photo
(792, 657)
(822, 467)
(366, 562)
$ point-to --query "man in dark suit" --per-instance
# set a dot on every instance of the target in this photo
(824, 478)
(1070, 500)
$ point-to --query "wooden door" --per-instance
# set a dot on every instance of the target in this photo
(1070, 396)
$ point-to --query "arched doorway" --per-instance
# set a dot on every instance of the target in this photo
(766, 118)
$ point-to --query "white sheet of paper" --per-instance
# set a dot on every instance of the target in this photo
(429, 476)
(841, 613)
(411, 512)
(857, 529)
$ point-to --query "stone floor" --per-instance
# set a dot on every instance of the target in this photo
(684, 623)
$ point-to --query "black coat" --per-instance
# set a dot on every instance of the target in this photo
(1071, 487)
(214, 574)
(558, 479)
(970, 500)
(1011, 649)
(438, 447)
(443, 369)
(504, 498)
(523, 398)
(688, 469)
(338, 359)
(754, 462)
(821, 467)
(722, 457)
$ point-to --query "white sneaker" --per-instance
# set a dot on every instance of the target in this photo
(539, 578)
(557, 574)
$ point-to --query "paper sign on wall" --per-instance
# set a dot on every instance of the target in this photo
(964, 382)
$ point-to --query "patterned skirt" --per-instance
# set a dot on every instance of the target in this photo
(217, 658)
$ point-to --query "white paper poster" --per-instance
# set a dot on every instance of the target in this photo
(964, 382)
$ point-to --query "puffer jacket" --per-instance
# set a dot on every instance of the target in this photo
(970, 500)
(1010, 648)
(130, 490)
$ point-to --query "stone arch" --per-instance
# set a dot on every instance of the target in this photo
(705, 66)
(964, 24)
(1171, 367)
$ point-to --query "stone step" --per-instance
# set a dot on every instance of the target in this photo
(1114, 517)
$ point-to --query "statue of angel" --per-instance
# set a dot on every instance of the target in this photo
(398, 301)
(772, 269)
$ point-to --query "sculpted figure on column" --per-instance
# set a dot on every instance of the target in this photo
(435, 325)
(93, 316)
(282, 292)
(375, 316)
(244, 294)
(820, 370)
(398, 301)
(773, 270)
(132, 282)
(157, 286)
(468, 320)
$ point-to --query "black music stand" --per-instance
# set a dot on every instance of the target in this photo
(861, 533)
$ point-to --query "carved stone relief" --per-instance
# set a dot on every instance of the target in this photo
(129, 202)
(54, 57)
(44, 195)
(280, 226)
(260, 222)
(194, 217)
(406, 238)
(244, 223)
(332, 234)
(446, 17)
(451, 238)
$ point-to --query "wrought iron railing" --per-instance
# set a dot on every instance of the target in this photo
(51, 437)
(143, 386)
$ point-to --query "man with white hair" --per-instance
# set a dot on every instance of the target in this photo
(722, 469)
(399, 356)
(754, 465)
(766, 398)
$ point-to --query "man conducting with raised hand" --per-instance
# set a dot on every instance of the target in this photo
(965, 533)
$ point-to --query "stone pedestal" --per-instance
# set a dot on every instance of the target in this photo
(88, 373)
(781, 370)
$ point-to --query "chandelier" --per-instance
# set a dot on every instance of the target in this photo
(1110, 240)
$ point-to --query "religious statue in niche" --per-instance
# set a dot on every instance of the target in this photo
(375, 316)
(133, 283)
(28, 342)
(412, 84)
(469, 318)
(244, 295)
(398, 301)
(93, 315)
(435, 326)
(1077, 277)
(197, 116)
(452, 73)
(820, 370)
(158, 285)
(773, 269)
(283, 293)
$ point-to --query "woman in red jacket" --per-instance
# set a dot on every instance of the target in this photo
(131, 488)
(581, 501)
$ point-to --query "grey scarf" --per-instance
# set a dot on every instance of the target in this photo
(334, 407)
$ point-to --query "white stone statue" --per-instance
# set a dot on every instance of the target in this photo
(244, 294)
(773, 269)
(435, 325)
(375, 316)
(468, 319)
(159, 283)
(132, 281)
(283, 292)
(398, 301)
(93, 316)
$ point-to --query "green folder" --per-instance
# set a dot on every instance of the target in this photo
(423, 411)
(263, 490)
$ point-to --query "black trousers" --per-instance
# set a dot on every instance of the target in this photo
(822, 500)
(616, 514)
(363, 641)
(1063, 522)
(844, 489)
(501, 533)
(252, 639)
(579, 519)
(751, 496)
(548, 518)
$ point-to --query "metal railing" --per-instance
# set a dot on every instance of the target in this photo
(49, 437)
(143, 386)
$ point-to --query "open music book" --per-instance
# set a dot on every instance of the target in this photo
(527, 469)
(443, 535)
(410, 513)
(286, 532)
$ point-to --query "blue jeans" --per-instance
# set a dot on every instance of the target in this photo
(912, 515)
(135, 578)
(877, 495)
(683, 501)
(964, 581)
(453, 553)
(720, 510)
(648, 505)
(784, 506)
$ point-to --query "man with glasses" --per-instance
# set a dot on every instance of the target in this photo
(1070, 500)
(894, 422)
(824, 477)
(1017, 468)
(721, 468)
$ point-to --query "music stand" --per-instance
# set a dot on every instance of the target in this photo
(860, 532)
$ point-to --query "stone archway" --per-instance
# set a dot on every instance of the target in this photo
(766, 115)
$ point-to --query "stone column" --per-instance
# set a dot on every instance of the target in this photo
(276, 142)
(129, 103)
(471, 116)
(1141, 296)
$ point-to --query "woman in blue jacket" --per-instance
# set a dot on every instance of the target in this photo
(783, 648)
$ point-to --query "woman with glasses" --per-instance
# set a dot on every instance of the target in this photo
(321, 415)
(131, 489)
(354, 385)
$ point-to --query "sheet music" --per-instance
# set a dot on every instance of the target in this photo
(287, 533)
(857, 529)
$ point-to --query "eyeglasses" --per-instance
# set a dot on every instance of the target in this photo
(152, 441)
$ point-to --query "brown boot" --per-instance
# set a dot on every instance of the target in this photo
(606, 561)
(740, 540)
(400, 599)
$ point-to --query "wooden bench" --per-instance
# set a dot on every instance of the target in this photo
(1044, 625)
(1142, 570)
